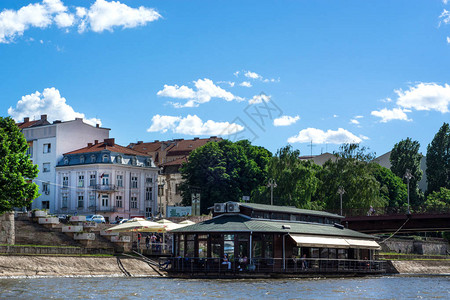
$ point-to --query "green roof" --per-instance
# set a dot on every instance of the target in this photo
(241, 223)
(289, 209)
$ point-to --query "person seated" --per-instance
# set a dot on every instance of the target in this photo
(226, 261)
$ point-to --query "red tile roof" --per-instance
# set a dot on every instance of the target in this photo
(176, 162)
(107, 144)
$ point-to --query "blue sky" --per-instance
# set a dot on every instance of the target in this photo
(274, 72)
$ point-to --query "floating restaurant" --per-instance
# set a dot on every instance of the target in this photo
(256, 240)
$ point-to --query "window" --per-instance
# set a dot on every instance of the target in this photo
(80, 201)
(119, 202)
(105, 200)
(91, 200)
(92, 180)
(148, 212)
(148, 180)
(134, 182)
(46, 167)
(133, 160)
(119, 159)
(30, 151)
(82, 159)
(66, 160)
(80, 180)
(105, 158)
(148, 193)
(65, 181)
(161, 190)
(46, 188)
(177, 189)
(93, 159)
(45, 204)
(133, 202)
(47, 148)
(148, 162)
(65, 200)
(119, 180)
(105, 179)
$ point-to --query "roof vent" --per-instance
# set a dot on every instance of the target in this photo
(89, 144)
(286, 226)
(340, 226)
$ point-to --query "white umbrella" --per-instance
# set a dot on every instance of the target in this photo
(187, 222)
(138, 224)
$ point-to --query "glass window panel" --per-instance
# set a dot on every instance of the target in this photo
(202, 249)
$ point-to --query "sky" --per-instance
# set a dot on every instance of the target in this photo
(312, 74)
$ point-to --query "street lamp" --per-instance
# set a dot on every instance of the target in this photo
(271, 184)
(408, 177)
(341, 192)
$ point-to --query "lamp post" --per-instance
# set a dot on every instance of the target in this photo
(271, 184)
(408, 177)
(341, 192)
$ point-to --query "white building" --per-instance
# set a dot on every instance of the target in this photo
(47, 143)
(108, 179)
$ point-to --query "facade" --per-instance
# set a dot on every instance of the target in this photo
(251, 239)
(108, 179)
(47, 143)
(169, 156)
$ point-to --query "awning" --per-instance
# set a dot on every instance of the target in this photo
(363, 244)
(319, 241)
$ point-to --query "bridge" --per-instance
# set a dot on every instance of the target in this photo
(388, 220)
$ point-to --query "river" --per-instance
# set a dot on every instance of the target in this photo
(387, 287)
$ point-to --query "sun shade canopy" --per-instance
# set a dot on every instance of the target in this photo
(333, 242)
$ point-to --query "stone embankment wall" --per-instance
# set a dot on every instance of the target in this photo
(421, 266)
(416, 247)
(30, 250)
(71, 266)
(7, 231)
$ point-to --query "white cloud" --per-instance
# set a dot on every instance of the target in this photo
(230, 83)
(448, 40)
(318, 136)
(245, 84)
(335, 116)
(192, 125)
(102, 15)
(252, 75)
(445, 17)
(445, 1)
(49, 103)
(359, 117)
(354, 121)
(257, 99)
(387, 115)
(425, 96)
(205, 91)
(285, 120)
(236, 73)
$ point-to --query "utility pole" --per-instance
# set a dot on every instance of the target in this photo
(341, 192)
(408, 177)
(271, 184)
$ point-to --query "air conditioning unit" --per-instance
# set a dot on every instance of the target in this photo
(219, 207)
(232, 207)
(47, 192)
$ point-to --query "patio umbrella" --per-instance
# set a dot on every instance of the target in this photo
(187, 222)
(138, 224)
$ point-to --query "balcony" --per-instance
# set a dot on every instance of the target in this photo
(105, 188)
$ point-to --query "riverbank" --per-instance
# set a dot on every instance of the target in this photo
(11, 266)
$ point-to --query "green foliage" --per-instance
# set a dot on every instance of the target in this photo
(355, 173)
(223, 171)
(296, 180)
(438, 200)
(16, 169)
(392, 189)
(438, 160)
(405, 156)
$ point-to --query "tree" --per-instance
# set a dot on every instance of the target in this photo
(16, 169)
(354, 171)
(223, 171)
(405, 156)
(438, 200)
(296, 180)
(438, 160)
(392, 189)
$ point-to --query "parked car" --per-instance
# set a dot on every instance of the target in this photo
(123, 221)
(95, 218)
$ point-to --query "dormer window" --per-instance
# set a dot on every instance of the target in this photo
(93, 159)
(105, 158)
(148, 162)
(133, 160)
(82, 159)
(119, 159)
(66, 160)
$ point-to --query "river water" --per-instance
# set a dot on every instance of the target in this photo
(387, 287)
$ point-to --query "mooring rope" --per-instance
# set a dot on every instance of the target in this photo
(400, 228)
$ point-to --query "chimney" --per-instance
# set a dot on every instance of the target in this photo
(95, 142)
(140, 142)
(97, 125)
(89, 144)
(43, 117)
(109, 142)
(196, 138)
(26, 120)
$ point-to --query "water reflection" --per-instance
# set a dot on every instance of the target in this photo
(161, 288)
